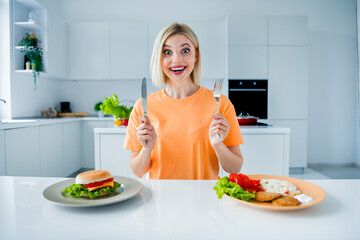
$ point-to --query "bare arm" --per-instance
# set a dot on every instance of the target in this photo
(230, 157)
(140, 161)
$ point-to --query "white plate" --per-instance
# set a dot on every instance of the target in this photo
(128, 189)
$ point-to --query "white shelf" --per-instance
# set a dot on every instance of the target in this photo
(30, 25)
(23, 71)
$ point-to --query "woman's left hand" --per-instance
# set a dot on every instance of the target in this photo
(219, 125)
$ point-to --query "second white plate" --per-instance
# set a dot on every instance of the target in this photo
(129, 188)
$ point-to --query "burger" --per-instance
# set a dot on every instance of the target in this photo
(92, 184)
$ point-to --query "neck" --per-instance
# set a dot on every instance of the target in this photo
(181, 90)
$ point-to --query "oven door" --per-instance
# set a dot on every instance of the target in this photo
(249, 96)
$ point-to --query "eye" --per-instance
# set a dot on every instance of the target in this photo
(167, 52)
(186, 50)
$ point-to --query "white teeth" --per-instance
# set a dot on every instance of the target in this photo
(177, 69)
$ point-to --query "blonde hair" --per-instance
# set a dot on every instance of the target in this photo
(157, 75)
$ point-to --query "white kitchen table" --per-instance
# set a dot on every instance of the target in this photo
(174, 209)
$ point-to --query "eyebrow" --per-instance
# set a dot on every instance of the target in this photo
(184, 44)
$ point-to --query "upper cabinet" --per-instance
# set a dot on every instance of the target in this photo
(108, 50)
(89, 52)
(123, 50)
(29, 17)
(128, 50)
(288, 30)
(248, 47)
(247, 30)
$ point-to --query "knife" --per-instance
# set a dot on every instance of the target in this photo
(144, 98)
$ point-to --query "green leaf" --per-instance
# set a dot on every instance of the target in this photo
(224, 186)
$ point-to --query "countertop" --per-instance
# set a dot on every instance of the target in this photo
(244, 130)
(29, 122)
(175, 209)
(20, 123)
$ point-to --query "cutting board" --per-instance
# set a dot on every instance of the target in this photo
(72, 114)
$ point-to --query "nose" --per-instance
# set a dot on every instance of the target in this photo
(176, 57)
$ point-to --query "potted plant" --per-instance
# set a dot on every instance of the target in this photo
(121, 113)
(98, 109)
(33, 54)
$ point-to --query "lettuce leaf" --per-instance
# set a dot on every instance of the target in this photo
(224, 186)
(78, 190)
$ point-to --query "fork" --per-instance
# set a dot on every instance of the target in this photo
(216, 92)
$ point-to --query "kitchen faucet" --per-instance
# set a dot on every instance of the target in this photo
(2, 100)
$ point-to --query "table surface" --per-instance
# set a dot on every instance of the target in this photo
(174, 209)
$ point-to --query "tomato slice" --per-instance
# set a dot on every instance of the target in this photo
(245, 182)
(95, 184)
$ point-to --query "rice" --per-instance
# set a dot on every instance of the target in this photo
(279, 186)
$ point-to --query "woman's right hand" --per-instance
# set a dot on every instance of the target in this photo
(146, 131)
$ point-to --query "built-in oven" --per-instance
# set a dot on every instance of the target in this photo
(249, 97)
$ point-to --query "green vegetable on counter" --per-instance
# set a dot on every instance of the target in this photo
(78, 190)
(224, 186)
(111, 106)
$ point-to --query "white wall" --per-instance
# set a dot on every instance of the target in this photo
(5, 74)
(25, 100)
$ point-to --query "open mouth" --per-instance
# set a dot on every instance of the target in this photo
(177, 70)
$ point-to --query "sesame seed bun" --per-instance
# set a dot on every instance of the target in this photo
(92, 176)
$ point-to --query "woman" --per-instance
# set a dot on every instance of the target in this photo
(182, 121)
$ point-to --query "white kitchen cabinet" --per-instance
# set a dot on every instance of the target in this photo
(2, 154)
(89, 144)
(114, 158)
(288, 30)
(72, 150)
(89, 50)
(211, 34)
(298, 143)
(51, 151)
(22, 151)
(247, 30)
(288, 83)
(128, 55)
(266, 154)
(248, 62)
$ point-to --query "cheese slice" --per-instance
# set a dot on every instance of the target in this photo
(111, 184)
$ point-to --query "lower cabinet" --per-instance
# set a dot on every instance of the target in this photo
(22, 151)
(51, 151)
(72, 147)
(110, 154)
(2, 154)
(89, 145)
(265, 154)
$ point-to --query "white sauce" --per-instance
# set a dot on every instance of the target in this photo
(303, 198)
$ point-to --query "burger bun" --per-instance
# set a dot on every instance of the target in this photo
(92, 176)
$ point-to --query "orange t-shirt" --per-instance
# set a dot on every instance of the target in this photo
(182, 149)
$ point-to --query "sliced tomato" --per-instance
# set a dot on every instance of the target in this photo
(95, 184)
(245, 182)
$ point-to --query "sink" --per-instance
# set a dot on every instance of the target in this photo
(18, 121)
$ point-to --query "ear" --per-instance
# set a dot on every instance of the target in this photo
(196, 55)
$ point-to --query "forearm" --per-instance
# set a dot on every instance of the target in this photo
(140, 162)
(230, 158)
